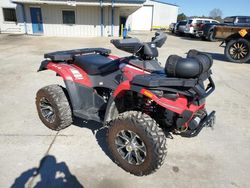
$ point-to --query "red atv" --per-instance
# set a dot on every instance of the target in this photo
(134, 96)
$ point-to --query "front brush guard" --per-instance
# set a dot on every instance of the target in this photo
(207, 121)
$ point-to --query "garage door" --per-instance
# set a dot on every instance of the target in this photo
(142, 19)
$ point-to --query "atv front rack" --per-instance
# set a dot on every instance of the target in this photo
(61, 56)
(191, 86)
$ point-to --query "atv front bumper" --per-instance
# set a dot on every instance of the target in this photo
(207, 121)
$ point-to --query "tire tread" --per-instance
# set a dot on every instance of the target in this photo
(153, 132)
(59, 97)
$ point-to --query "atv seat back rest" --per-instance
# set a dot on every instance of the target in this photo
(145, 51)
(130, 45)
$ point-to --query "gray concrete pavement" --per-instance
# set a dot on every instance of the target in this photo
(218, 158)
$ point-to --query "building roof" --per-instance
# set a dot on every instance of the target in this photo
(159, 1)
(83, 2)
(127, 1)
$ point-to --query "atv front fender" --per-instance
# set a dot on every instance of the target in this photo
(179, 106)
(78, 85)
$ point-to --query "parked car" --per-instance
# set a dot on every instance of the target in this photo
(194, 24)
(171, 27)
(180, 27)
(207, 30)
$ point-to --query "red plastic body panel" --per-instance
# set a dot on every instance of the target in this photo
(71, 73)
(113, 57)
(178, 106)
(130, 71)
(124, 86)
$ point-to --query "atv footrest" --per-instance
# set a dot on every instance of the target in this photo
(69, 55)
(87, 115)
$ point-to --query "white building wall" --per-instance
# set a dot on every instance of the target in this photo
(11, 27)
(108, 21)
(142, 19)
(163, 14)
(88, 21)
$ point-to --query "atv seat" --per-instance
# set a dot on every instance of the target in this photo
(96, 64)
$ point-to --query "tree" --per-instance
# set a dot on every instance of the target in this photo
(181, 16)
(216, 14)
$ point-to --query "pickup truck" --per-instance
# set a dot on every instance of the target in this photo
(207, 30)
(236, 40)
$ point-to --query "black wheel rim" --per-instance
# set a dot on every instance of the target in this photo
(47, 110)
(238, 50)
(131, 147)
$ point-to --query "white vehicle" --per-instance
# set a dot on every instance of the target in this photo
(194, 24)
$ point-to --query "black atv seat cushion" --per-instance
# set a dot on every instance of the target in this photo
(161, 80)
(95, 64)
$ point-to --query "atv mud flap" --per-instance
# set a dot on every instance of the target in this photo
(208, 121)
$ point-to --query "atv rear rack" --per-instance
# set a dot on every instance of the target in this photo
(60, 56)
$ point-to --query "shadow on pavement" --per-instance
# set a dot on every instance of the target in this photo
(219, 57)
(186, 37)
(222, 57)
(52, 174)
(98, 130)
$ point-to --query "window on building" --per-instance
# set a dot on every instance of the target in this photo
(9, 14)
(69, 17)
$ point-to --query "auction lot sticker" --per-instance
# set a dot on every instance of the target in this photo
(243, 32)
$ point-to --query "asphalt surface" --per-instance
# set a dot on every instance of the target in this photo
(31, 155)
